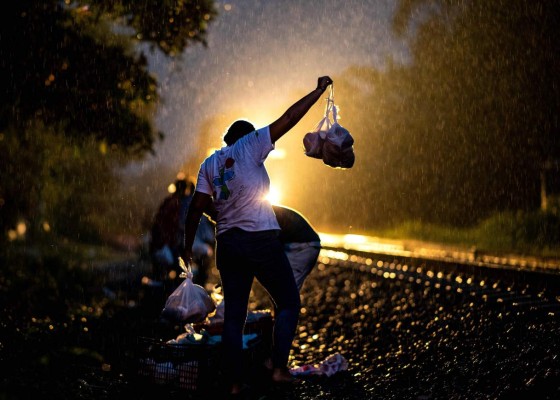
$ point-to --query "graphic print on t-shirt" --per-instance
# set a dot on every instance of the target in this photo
(220, 182)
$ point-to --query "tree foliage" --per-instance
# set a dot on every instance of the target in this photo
(72, 72)
(458, 134)
(484, 87)
(466, 128)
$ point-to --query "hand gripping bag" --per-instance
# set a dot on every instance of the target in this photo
(189, 302)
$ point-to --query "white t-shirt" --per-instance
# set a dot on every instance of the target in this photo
(238, 181)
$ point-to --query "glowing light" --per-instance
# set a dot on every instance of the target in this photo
(12, 234)
(21, 228)
(277, 154)
(171, 188)
(211, 151)
(273, 196)
(46, 226)
(327, 238)
(355, 239)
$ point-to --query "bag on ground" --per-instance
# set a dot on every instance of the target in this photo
(189, 302)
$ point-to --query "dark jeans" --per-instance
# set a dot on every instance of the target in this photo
(242, 256)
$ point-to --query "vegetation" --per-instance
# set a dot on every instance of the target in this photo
(466, 130)
(530, 234)
(78, 102)
(464, 134)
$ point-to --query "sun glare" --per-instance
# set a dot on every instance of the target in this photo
(273, 196)
(277, 154)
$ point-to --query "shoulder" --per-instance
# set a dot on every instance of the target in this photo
(257, 137)
(287, 212)
(210, 161)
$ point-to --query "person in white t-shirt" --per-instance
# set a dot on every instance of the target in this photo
(247, 243)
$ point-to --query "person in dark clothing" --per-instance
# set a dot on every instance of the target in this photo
(167, 231)
(247, 244)
(167, 238)
(301, 243)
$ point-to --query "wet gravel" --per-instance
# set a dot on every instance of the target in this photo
(408, 331)
(411, 334)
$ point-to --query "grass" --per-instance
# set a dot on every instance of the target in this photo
(534, 234)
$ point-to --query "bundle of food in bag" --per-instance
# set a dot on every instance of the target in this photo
(330, 141)
(189, 302)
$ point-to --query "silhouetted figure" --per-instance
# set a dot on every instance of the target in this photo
(301, 243)
(168, 229)
(203, 251)
(236, 180)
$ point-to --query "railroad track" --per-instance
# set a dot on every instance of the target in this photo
(528, 290)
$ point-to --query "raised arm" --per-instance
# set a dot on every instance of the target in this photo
(296, 112)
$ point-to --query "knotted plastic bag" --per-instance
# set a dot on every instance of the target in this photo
(313, 144)
(338, 149)
(330, 141)
(189, 302)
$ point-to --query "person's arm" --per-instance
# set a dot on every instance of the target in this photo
(211, 212)
(199, 204)
(296, 112)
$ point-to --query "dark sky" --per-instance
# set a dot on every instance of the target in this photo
(260, 54)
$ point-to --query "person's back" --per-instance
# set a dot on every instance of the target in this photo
(238, 180)
(302, 243)
(295, 228)
(235, 179)
(247, 244)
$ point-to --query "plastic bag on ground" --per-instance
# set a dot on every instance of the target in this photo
(189, 302)
(329, 366)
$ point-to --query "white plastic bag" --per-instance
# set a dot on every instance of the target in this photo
(330, 141)
(313, 144)
(218, 297)
(313, 141)
(189, 302)
(338, 150)
(329, 366)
